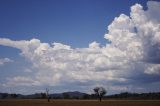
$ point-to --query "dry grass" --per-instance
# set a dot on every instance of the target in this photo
(29, 102)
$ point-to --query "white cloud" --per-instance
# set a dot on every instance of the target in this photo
(21, 81)
(27, 70)
(58, 46)
(152, 69)
(5, 60)
(94, 45)
(134, 50)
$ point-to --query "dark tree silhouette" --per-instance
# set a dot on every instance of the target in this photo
(100, 92)
(47, 94)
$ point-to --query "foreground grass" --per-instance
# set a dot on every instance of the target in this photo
(36, 102)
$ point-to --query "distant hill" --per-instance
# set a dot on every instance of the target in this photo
(64, 95)
(127, 95)
(68, 95)
(75, 94)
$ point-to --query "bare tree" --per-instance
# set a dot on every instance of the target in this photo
(47, 94)
(100, 92)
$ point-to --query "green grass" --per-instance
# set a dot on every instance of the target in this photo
(36, 102)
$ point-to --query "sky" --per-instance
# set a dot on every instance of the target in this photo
(76, 45)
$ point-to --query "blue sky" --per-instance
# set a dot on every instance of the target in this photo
(72, 22)
(77, 27)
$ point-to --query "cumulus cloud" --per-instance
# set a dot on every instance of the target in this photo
(27, 70)
(152, 69)
(5, 60)
(21, 81)
(134, 51)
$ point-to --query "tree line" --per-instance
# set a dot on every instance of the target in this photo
(99, 93)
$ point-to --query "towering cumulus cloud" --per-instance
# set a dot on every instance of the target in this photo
(131, 59)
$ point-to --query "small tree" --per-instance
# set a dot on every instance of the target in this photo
(47, 94)
(100, 92)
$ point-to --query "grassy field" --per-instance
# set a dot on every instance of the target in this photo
(79, 103)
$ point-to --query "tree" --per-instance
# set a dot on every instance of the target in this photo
(100, 92)
(47, 94)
